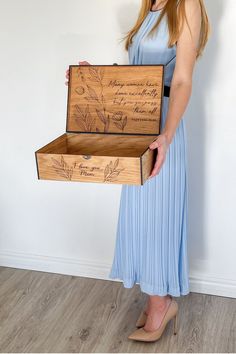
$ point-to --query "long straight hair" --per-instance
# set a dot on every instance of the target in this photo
(175, 12)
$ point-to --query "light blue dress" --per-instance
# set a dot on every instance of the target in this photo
(151, 239)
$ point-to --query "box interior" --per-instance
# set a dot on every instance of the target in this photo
(99, 144)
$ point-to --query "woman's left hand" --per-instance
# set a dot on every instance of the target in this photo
(162, 144)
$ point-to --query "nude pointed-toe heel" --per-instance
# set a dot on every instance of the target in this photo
(142, 319)
(175, 327)
(141, 334)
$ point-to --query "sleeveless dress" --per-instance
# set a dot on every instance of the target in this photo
(151, 239)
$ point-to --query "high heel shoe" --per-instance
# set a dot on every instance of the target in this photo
(142, 319)
(149, 336)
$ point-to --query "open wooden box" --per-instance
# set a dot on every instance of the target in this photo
(113, 115)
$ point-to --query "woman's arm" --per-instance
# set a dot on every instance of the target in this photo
(181, 84)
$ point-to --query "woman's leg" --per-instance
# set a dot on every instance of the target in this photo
(156, 308)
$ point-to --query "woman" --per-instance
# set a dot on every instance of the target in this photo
(151, 242)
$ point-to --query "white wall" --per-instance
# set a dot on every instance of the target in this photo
(70, 227)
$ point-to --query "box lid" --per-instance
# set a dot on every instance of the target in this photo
(123, 99)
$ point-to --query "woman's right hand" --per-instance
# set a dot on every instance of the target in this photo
(67, 71)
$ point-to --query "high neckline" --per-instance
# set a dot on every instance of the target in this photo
(157, 10)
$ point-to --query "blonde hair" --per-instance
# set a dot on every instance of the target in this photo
(175, 11)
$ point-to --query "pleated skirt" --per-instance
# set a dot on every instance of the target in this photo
(151, 238)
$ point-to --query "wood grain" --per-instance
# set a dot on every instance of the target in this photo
(115, 99)
(113, 115)
(101, 158)
(46, 313)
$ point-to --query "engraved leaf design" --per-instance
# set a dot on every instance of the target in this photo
(62, 162)
(91, 122)
(86, 115)
(92, 93)
(62, 168)
(111, 171)
(97, 74)
(86, 111)
(57, 163)
(80, 123)
(115, 174)
(94, 74)
(78, 110)
(110, 166)
(106, 127)
(101, 116)
(61, 173)
(93, 79)
(106, 171)
(116, 163)
(84, 119)
(124, 122)
(101, 72)
(120, 169)
(118, 125)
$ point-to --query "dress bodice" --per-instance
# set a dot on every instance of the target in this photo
(154, 49)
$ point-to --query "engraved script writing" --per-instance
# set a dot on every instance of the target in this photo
(85, 170)
(146, 89)
(110, 172)
(105, 101)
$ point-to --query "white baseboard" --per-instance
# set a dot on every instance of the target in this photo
(199, 283)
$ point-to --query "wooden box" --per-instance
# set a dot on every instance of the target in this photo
(113, 115)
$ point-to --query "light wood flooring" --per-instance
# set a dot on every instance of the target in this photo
(48, 313)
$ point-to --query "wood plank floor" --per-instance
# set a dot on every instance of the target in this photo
(46, 312)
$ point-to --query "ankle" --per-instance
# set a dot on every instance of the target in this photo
(158, 302)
